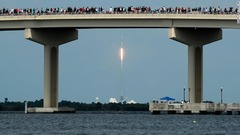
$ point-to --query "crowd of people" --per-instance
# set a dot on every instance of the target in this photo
(117, 10)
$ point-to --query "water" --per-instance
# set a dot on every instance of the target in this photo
(114, 123)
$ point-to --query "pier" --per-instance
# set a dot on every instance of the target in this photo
(157, 107)
(50, 110)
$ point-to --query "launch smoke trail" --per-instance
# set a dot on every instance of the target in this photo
(121, 75)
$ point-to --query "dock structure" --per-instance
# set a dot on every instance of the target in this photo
(156, 107)
(50, 110)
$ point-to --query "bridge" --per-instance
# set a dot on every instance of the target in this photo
(83, 21)
(194, 30)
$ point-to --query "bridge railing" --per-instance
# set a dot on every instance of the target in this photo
(117, 13)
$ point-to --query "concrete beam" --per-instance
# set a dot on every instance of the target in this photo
(195, 39)
(195, 36)
(51, 39)
(53, 36)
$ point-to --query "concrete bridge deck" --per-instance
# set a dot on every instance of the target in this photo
(81, 21)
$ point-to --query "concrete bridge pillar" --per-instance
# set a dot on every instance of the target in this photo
(195, 38)
(51, 39)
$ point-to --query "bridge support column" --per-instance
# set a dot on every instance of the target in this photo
(51, 39)
(195, 38)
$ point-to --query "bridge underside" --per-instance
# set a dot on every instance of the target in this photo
(53, 38)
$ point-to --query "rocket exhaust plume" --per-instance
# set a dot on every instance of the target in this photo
(121, 75)
(121, 54)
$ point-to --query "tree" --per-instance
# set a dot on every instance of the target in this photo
(6, 100)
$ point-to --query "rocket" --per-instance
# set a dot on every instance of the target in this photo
(121, 53)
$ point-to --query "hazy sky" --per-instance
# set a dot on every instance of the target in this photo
(154, 65)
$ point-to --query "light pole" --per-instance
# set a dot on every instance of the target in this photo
(221, 94)
(36, 2)
(184, 94)
(213, 3)
(238, 12)
(189, 89)
(36, 9)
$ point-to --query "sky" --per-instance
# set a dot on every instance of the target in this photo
(154, 65)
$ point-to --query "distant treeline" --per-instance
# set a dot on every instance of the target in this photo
(20, 106)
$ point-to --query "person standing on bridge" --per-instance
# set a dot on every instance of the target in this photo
(110, 10)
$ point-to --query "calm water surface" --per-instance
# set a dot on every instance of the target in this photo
(114, 123)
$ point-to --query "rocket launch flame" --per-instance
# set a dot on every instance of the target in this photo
(121, 54)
